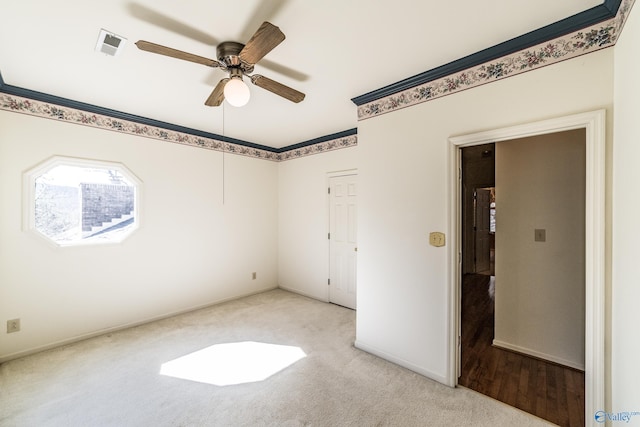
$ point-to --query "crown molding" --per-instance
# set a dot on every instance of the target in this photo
(40, 104)
(581, 20)
(89, 108)
(319, 140)
(443, 81)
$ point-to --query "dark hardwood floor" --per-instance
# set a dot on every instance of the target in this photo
(547, 390)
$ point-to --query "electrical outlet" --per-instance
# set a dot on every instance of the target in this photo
(253, 276)
(13, 325)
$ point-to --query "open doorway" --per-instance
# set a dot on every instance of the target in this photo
(510, 345)
(594, 136)
(478, 197)
(484, 212)
(593, 123)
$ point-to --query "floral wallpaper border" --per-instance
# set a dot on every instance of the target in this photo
(71, 115)
(586, 40)
(321, 147)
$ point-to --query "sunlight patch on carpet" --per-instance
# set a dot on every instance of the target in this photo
(233, 363)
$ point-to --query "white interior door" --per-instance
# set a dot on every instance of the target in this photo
(343, 191)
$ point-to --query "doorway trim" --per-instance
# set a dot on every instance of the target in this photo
(594, 124)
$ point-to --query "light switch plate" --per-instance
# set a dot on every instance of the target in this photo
(436, 239)
(540, 235)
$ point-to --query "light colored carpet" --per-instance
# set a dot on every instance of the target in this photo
(114, 380)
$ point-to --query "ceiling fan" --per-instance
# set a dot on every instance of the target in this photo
(238, 60)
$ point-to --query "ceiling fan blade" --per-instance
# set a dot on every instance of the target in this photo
(277, 88)
(266, 10)
(169, 23)
(284, 70)
(217, 96)
(262, 42)
(175, 53)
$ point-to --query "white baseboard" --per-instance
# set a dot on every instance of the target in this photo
(401, 362)
(304, 294)
(539, 355)
(97, 333)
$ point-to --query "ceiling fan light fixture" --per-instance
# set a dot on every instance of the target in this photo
(236, 92)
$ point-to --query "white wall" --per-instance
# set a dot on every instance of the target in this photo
(625, 292)
(403, 306)
(303, 220)
(540, 286)
(191, 249)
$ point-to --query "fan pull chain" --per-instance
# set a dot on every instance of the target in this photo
(224, 149)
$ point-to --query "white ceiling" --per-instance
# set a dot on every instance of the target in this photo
(335, 50)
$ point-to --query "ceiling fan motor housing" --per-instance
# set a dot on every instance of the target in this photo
(228, 54)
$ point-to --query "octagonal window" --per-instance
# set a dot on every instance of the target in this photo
(77, 201)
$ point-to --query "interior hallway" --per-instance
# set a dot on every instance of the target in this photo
(547, 390)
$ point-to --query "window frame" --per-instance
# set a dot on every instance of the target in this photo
(29, 193)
